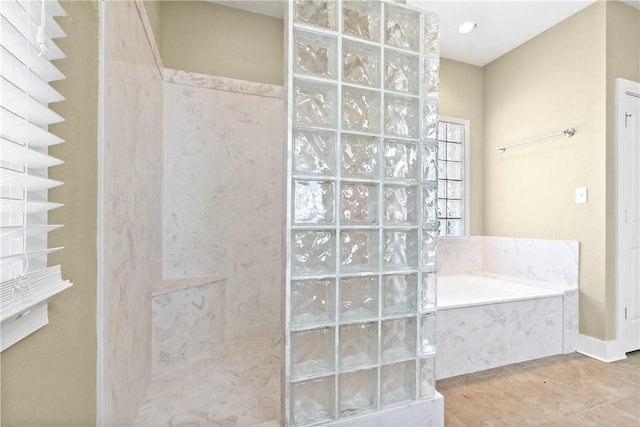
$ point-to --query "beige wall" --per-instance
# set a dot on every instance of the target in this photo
(623, 60)
(49, 378)
(461, 95)
(208, 38)
(555, 81)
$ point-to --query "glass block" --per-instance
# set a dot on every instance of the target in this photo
(397, 383)
(314, 152)
(442, 189)
(442, 150)
(312, 352)
(358, 345)
(427, 378)
(429, 204)
(400, 249)
(359, 250)
(315, 54)
(359, 156)
(431, 35)
(442, 131)
(401, 72)
(428, 292)
(442, 208)
(358, 298)
(429, 161)
(454, 227)
(357, 391)
(454, 208)
(321, 13)
(442, 169)
(315, 104)
(428, 335)
(313, 202)
(399, 294)
(400, 160)
(454, 152)
(429, 249)
(401, 28)
(361, 110)
(313, 401)
(431, 79)
(361, 63)
(313, 252)
(312, 301)
(454, 190)
(454, 170)
(361, 19)
(400, 204)
(455, 133)
(398, 339)
(359, 203)
(442, 227)
(430, 120)
(401, 116)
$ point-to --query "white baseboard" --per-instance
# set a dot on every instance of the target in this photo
(605, 351)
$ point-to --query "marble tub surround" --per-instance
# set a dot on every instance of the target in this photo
(187, 321)
(553, 262)
(224, 201)
(130, 203)
(236, 384)
(171, 285)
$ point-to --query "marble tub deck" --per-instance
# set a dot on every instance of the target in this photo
(233, 385)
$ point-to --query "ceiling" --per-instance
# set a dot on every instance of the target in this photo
(502, 25)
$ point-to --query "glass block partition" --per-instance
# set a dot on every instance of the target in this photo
(362, 208)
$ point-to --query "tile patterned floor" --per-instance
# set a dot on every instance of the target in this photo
(564, 390)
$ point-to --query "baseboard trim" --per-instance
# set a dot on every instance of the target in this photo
(604, 351)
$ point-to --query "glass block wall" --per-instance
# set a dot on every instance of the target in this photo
(362, 219)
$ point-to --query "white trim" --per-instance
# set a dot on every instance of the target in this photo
(604, 351)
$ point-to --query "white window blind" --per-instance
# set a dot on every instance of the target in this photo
(27, 48)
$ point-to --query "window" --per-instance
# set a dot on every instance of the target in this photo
(453, 191)
(27, 29)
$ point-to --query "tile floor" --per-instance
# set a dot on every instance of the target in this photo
(563, 390)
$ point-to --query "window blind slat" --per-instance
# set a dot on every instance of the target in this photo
(30, 254)
(16, 72)
(17, 101)
(14, 153)
(21, 181)
(15, 43)
(14, 206)
(19, 130)
(31, 230)
(52, 28)
(24, 23)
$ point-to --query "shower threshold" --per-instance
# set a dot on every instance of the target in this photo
(235, 384)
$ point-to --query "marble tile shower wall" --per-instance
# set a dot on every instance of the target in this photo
(362, 226)
(224, 198)
(131, 173)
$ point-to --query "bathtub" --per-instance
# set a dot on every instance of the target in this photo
(486, 321)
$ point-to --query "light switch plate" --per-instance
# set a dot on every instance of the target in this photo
(581, 195)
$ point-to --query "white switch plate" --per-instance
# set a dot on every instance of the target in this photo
(581, 195)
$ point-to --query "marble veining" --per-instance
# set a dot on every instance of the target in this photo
(233, 385)
(206, 81)
(131, 202)
(186, 323)
(476, 338)
(224, 200)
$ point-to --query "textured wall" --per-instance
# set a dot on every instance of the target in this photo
(550, 83)
(49, 378)
(131, 174)
(224, 210)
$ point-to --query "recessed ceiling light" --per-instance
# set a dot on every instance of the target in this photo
(467, 27)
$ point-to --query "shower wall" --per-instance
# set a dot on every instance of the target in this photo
(130, 203)
(224, 195)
